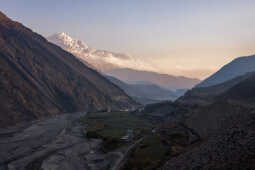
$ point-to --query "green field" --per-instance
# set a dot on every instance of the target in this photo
(115, 124)
(157, 148)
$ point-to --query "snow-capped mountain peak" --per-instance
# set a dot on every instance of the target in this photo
(63, 36)
(66, 42)
(100, 60)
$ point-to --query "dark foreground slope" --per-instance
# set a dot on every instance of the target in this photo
(242, 93)
(227, 130)
(39, 79)
(232, 147)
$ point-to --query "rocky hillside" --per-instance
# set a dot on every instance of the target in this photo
(230, 147)
(226, 128)
(231, 101)
(39, 79)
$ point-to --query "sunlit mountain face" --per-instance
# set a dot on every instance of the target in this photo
(101, 60)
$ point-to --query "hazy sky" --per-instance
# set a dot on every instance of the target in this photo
(182, 37)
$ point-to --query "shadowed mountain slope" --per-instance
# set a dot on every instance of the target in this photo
(39, 78)
(232, 101)
(207, 95)
(227, 131)
(237, 67)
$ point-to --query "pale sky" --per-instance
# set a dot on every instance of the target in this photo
(192, 38)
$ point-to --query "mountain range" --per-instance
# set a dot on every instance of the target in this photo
(39, 79)
(222, 115)
(121, 66)
(162, 80)
(100, 60)
(145, 93)
(224, 79)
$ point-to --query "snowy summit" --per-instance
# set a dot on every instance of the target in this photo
(100, 60)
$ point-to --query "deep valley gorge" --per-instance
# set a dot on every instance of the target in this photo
(65, 105)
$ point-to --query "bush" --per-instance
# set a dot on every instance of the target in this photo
(93, 134)
(110, 143)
